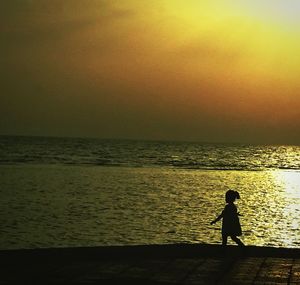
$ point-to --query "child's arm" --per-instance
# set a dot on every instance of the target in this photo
(217, 219)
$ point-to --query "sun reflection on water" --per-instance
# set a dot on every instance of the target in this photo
(290, 183)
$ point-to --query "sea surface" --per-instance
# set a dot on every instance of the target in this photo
(58, 192)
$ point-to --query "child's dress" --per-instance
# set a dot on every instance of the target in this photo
(231, 223)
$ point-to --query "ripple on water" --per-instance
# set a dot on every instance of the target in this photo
(86, 206)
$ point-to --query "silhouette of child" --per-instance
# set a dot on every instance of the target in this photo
(230, 224)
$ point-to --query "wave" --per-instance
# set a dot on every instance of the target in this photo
(118, 153)
(192, 166)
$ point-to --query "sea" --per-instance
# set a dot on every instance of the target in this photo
(73, 192)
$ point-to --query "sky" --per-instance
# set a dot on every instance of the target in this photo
(188, 70)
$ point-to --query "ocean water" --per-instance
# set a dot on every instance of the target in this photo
(58, 192)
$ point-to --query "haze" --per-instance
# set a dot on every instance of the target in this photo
(217, 71)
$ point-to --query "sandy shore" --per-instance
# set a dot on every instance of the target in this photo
(151, 264)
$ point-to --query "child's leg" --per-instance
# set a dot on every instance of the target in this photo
(224, 239)
(238, 241)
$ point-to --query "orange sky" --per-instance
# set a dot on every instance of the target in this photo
(222, 71)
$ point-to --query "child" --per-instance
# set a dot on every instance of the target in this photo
(230, 224)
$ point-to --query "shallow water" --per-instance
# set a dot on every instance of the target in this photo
(56, 205)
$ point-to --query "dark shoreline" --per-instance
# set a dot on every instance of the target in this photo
(151, 264)
(144, 251)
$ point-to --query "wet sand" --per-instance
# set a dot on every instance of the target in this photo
(151, 264)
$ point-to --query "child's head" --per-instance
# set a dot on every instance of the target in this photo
(231, 195)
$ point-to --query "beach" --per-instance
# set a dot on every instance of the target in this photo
(138, 138)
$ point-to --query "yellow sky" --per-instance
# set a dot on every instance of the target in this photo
(171, 69)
